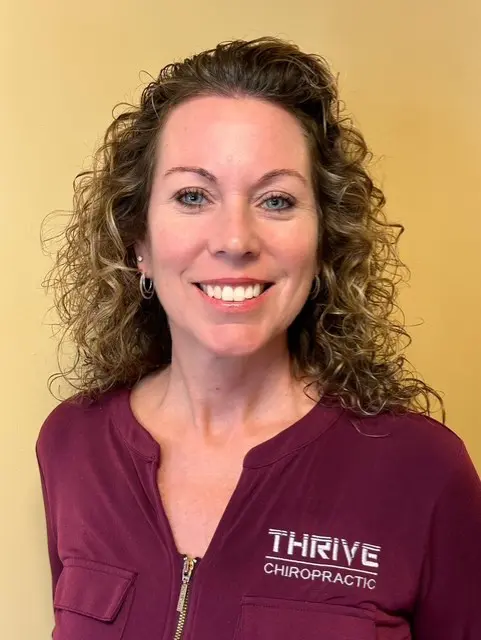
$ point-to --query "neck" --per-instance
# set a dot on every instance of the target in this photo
(224, 397)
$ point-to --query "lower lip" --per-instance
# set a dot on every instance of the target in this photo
(233, 306)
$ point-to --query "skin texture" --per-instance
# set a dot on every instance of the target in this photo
(233, 226)
(234, 232)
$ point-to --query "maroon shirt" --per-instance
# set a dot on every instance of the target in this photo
(340, 528)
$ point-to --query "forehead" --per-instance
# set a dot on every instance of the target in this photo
(221, 133)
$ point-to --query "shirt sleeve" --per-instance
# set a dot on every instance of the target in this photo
(55, 562)
(449, 600)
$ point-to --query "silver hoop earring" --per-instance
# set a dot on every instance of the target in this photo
(146, 287)
(316, 289)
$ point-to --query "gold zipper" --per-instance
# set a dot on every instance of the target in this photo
(182, 604)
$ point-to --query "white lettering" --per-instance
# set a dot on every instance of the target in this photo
(277, 533)
(350, 552)
(294, 543)
(335, 550)
(305, 573)
(320, 545)
(324, 552)
(369, 555)
(360, 581)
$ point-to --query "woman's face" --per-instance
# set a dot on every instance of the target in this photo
(232, 224)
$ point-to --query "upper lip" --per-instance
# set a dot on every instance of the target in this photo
(234, 281)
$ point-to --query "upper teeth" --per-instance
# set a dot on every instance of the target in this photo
(228, 293)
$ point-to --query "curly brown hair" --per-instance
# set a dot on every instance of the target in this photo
(349, 339)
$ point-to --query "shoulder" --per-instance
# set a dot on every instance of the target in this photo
(412, 443)
(405, 426)
(74, 420)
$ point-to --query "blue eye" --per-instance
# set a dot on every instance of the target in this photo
(191, 198)
(278, 203)
(196, 198)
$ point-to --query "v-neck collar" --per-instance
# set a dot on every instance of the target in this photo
(291, 439)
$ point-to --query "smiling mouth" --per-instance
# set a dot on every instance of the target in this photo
(234, 293)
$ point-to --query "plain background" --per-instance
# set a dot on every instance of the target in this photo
(410, 71)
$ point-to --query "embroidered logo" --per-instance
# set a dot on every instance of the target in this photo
(317, 557)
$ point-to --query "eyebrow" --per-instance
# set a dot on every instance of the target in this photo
(265, 179)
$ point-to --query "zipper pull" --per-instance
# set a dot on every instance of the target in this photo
(189, 564)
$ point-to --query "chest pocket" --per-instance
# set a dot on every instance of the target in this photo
(92, 601)
(279, 619)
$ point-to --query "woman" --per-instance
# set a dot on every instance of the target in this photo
(247, 455)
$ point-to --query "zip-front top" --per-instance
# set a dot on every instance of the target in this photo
(340, 527)
(189, 564)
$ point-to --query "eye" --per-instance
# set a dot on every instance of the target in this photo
(191, 198)
(278, 202)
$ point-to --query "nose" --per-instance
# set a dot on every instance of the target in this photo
(234, 233)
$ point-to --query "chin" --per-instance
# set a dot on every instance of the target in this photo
(236, 345)
(228, 350)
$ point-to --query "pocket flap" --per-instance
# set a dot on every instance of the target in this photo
(263, 617)
(92, 589)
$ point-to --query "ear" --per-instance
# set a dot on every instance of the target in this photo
(142, 255)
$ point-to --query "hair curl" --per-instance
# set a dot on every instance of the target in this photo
(347, 339)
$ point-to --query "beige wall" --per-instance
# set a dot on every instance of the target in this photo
(411, 72)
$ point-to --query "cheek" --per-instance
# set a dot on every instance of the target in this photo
(170, 246)
(300, 251)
